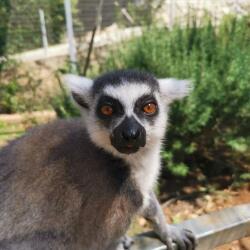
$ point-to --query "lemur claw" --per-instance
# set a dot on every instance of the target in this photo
(127, 242)
(183, 238)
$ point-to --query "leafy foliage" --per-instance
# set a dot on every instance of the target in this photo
(18, 91)
(20, 24)
(63, 106)
(4, 13)
(144, 14)
(210, 129)
(57, 20)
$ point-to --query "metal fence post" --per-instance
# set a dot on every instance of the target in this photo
(44, 31)
(70, 33)
(171, 13)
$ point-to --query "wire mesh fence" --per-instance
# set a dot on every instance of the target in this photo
(21, 27)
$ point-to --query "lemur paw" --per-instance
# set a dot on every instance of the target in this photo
(183, 238)
(126, 242)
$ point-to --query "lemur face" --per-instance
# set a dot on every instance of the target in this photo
(127, 107)
(126, 110)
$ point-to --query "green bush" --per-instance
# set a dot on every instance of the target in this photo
(21, 24)
(210, 129)
(63, 106)
(19, 91)
(4, 13)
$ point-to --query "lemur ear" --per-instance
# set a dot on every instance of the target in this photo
(80, 88)
(173, 89)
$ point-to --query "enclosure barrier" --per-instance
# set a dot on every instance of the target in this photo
(211, 230)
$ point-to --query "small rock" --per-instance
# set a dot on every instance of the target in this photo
(245, 243)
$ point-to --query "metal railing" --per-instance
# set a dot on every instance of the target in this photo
(211, 230)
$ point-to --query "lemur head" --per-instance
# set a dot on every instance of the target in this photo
(126, 111)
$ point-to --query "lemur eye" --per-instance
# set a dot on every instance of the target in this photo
(150, 108)
(107, 110)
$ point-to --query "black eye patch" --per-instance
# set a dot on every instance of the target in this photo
(116, 106)
(141, 102)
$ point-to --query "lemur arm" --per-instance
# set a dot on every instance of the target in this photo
(167, 233)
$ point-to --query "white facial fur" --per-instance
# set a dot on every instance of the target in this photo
(145, 164)
(127, 94)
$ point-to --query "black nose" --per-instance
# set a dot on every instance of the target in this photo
(131, 134)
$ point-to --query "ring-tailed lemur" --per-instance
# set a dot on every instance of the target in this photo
(70, 186)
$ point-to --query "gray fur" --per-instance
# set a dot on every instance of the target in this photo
(67, 187)
(167, 233)
(55, 180)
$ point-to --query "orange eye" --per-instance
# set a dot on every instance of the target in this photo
(150, 108)
(107, 110)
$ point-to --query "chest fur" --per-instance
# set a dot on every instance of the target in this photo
(145, 171)
(113, 211)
